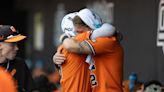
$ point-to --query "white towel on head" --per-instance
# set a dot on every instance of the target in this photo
(106, 30)
(90, 18)
(67, 24)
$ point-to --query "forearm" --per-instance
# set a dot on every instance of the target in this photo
(106, 30)
(75, 46)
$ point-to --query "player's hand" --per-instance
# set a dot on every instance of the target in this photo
(59, 58)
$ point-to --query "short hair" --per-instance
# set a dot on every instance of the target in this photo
(78, 22)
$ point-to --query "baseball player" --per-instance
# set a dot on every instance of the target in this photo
(74, 70)
(107, 53)
(16, 66)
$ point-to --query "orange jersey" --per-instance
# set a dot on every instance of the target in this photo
(106, 76)
(6, 82)
(74, 71)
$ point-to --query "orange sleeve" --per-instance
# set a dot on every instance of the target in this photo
(82, 36)
(102, 45)
(7, 84)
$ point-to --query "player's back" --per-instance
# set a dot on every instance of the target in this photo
(75, 72)
(108, 64)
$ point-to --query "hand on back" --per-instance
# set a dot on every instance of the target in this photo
(59, 58)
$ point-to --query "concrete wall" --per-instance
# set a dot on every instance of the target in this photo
(137, 19)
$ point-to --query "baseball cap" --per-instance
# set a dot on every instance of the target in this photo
(90, 18)
(9, 34)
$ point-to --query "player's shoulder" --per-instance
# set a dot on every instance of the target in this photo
(111, 39)
(83, 35)
(18, 62)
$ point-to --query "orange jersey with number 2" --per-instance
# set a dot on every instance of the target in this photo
(74, 71)
(106, 76)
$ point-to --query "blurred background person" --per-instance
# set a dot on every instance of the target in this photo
(46, 80)
(153, 86)
(17, 67)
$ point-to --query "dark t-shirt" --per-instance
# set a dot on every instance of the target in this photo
(21, 74)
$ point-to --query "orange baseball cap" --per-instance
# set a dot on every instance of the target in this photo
(10, 34)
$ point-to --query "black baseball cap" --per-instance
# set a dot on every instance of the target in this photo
(9, 34)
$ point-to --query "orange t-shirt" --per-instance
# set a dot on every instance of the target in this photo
(74, 71)
(6, 82)
(108, 65)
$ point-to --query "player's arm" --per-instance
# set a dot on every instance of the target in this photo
(106, 30)
(72, 45)
(75, 46)
(84, 47)
(102, 45)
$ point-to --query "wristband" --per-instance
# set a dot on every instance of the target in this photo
(65, 36)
